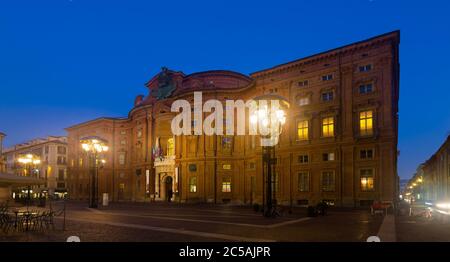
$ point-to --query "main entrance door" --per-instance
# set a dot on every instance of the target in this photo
(168, 188)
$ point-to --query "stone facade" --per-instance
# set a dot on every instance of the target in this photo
(52, 151)
(431, 181)
(339, 142)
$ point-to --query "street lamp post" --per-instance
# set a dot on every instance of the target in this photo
(269, 116)
(30, 162)
(93, 146)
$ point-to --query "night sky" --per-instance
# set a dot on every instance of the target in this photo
(64, 62)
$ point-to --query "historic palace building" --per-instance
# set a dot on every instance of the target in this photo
(339, 142)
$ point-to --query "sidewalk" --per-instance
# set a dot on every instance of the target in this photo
(387, 231)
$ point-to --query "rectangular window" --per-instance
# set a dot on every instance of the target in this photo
(303, 83)
(193, 184)
(302, 130)
(123, 132)
(61, 150)
(365, 68)
(303, 159)
(139, 133)
(366, 154)
(170, 147)
(303, 182)
(122, 159)
(328, 157)
(328, 127)
(366, 123)
(226, 184)
(123, 142)
(61, 160)
(366, 179)
(303, 101)
(251, 165)
(365, 89)
(226, 166)
(46, 149)
(327, 77)
(327, 96)
(328, 182)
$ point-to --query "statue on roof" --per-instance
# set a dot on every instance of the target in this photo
(166, 84)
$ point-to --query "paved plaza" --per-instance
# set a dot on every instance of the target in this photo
(186, 222)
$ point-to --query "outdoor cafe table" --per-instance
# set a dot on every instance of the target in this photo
(27, 214)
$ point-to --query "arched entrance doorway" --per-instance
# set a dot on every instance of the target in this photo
(168, 184)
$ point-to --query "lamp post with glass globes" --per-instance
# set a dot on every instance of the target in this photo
(270, 116)
(30, 162)
(94, 146)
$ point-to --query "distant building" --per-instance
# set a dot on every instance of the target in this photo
(2, 159)
(52, 152)
(432, 178)
(402, 184)
(339, 143)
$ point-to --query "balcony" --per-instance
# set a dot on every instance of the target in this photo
(164, 161)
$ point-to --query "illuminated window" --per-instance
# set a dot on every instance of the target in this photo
(80, 162)
(226, 184)
(302, 130)
(193, 184)
(226, 166)
(303, 101)
(366, 179)
(328, 182)
(328, 127)
(366, 123)
(139, 133)
(170, 147)
(303, 182)
(328, 157)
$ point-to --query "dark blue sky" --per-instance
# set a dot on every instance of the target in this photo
(64, 62)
